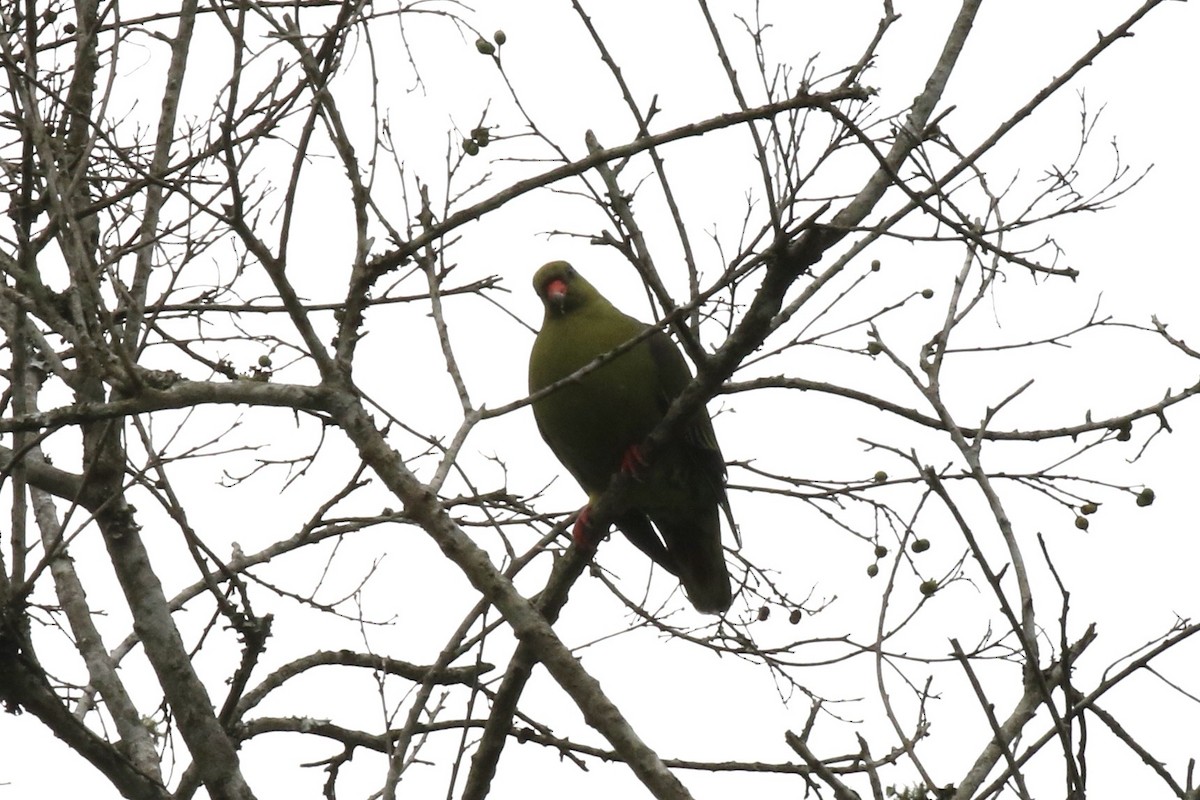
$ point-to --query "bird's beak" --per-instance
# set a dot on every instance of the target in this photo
(556, 293)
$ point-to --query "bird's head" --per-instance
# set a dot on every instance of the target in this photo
(561, 288)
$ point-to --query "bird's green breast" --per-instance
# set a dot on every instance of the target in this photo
(591, 422)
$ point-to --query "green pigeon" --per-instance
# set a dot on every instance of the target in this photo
(596, 424)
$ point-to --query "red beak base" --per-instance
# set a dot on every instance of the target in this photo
(556, 290)
(556, 294)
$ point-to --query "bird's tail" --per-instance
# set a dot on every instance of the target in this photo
(705, 578)
(692, 552)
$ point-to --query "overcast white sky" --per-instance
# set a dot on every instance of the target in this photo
(1134, 569)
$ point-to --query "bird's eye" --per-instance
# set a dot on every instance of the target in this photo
(570, 272)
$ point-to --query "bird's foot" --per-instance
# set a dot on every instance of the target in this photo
(633, 462)
(582, 534)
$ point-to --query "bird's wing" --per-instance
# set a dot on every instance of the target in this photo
(673, 376)
(637, 529)
(699, 440)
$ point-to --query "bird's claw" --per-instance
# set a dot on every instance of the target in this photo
(633, 462)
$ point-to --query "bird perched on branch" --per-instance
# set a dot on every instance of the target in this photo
(596, 423)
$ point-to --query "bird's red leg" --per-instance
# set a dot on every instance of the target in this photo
(582, 533)
(584, 537)
(632, 461)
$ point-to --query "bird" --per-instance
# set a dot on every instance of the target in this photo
(595, 425)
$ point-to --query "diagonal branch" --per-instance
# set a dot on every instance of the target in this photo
(424, 508)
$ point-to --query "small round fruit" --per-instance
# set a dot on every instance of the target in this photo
(875, 265)
(264, 361)
(794, 617)
(1124, 433)
(881, 476)
(471, 147)
(482, 136)
(880, 551)
(872, 570)
(1089, 508)
(484, 46)
(763, 613)
(874, 348)
(927, 293)
(500, 37)
(920, 545)
(1081, 523)
(1145, 497)
(929, 587)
